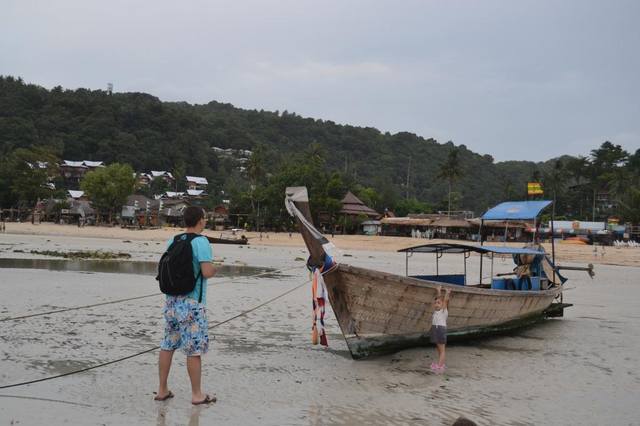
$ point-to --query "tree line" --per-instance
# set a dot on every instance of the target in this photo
(400, 172)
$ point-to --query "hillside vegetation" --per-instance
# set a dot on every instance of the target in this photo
(399, 171)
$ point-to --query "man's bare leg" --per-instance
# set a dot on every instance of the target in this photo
(164, 365)
(194, 368)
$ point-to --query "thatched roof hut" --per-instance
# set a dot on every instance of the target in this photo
(450, 222)
(352, 206)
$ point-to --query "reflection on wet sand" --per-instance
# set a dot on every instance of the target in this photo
(164, 409)
(118, 267)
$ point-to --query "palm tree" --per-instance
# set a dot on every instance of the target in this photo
(450, 171)
(555, 179)
(629, 205)
(256, 173)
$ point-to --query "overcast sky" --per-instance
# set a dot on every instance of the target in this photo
(513, 79)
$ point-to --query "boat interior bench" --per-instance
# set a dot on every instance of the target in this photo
(457, 279)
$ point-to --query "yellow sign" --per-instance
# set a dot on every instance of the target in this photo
(534, 188)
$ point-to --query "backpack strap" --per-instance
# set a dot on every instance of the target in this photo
(191, 237)
(199, 277)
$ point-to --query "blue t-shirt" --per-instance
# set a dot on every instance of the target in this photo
(201, 253)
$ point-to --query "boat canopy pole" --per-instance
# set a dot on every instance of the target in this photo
(481, 266)
(506, 230)
(553, 239)
(406, 263)
(491, 277)
(437, 267)
(480, 232)
(465, 255)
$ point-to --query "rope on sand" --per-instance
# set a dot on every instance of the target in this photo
(82, 370)
(59, 401)
(111, 302)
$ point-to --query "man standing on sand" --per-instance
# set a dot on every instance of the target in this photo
(186, 324)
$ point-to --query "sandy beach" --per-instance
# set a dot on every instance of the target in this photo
(623, 256)
(580, 369)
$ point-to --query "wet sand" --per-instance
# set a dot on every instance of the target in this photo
(580, 369)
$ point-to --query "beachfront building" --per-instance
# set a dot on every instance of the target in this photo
(142, 179)
(371, 227)
(72, 172)
(354, 212)
(164, 175)
(430, 226)
(220, 217)
(171, 211)
(450, 228)
(197, 182)
(172, 195)
(145, 179)
(140, 211)
(404, 226)
(512, 230)
(76, 195)
(196, 194)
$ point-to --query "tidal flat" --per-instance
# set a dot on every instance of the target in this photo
(579, 369)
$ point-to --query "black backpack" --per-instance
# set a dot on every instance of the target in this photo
(175, 269)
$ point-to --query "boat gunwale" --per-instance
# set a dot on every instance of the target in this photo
(434, 284)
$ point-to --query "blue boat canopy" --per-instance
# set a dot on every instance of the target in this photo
(466, 248)
(516, 210)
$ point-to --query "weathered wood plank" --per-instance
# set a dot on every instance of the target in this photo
(393, 310)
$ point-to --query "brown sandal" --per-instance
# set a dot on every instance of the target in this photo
(164, 398)
(207, 400)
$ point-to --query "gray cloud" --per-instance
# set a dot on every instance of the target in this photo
(517, 80)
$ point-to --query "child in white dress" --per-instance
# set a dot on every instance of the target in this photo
(439, 328)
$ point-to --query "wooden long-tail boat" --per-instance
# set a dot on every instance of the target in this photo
(380, 312)
(242, 240)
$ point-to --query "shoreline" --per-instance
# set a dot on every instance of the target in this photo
(614, 256)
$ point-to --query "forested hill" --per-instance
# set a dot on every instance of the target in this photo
(139, 129)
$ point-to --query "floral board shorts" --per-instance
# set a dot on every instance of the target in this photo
(186, 326)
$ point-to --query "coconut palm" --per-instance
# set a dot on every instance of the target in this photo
(450, 170)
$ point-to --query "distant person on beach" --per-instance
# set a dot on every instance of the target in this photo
(439, 328)
(186, 325)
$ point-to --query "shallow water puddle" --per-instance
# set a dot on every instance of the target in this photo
(122, 267)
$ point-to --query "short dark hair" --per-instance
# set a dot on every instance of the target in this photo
(192, 216)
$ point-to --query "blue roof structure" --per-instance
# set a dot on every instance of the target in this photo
(465, 248)
(516, 210)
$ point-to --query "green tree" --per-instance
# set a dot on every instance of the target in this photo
(606, 168)
(179, 173)
(158, 186)
(256, 173)
(28, 173)
(412, 205)
(450, 170)
(108, 187)
(369, 196)
(630, 205)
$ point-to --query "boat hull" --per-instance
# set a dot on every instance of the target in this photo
(381, 312)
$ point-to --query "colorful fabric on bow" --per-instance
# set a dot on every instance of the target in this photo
(320, 295)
